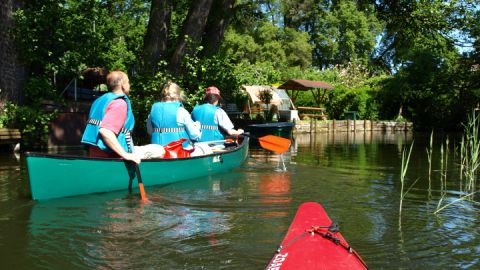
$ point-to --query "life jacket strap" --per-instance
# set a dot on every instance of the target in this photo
(167, 130)
(94, 122)
(126, 131)
(209, 127)
(97, 122)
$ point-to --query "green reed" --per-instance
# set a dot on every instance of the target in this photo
(403, 172)
(443, 173)
(469, 163)
(429, 156)
(444, 170)
(470, 156)
(462, 150)
(442, 188)
(462, 198)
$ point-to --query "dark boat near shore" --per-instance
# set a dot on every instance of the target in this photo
(281, 129)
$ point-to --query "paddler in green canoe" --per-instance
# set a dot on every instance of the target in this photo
(111, 121)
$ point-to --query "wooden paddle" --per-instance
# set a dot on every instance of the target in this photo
(143, 195)
(273, 143)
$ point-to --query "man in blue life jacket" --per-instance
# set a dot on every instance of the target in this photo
(213, 119)
(111, 121)
(169, 121)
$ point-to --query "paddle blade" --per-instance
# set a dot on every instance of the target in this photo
(143, 194)
(276, 144)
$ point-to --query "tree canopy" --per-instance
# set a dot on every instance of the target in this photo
(422, 55)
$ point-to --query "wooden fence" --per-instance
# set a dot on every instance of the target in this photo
(350, 126)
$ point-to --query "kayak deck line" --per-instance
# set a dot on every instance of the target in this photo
(334, 228)
(309, 247)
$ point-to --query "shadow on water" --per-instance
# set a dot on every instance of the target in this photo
(237, 219)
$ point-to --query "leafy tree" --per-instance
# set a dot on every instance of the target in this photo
(218, 20)
(282, 48)
(156, 36)
(67, 36)
(192, 31)
(344, 34)
(408, 21)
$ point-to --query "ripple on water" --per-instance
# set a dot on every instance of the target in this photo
(236, 220)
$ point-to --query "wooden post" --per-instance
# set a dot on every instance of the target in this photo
(348, 125)
(311, 125)
(333, 125)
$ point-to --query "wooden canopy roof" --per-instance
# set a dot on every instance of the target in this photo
(303, 85)
(317, 88)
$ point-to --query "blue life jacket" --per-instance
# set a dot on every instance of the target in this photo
(164, 122)
(205, 114)
(91, 134)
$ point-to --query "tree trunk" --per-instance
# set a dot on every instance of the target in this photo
(155, 42)
(217, 23)
(12, 72)
(193, 28)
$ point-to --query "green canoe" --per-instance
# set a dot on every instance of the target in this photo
(54, 176)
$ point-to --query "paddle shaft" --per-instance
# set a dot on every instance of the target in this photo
(211, 142)
(143, 195)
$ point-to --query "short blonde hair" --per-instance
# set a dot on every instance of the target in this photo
(172, 92)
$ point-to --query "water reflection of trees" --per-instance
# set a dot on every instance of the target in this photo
(13, 181)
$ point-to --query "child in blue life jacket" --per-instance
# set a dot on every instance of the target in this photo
(213, 119)
(169, 121)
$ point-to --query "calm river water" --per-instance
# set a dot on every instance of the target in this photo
(236, 220)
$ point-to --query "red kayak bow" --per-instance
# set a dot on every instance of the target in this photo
(314, 242)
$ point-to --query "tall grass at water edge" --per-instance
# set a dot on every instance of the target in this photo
(470, 154)
(403, 172)
(469, 165)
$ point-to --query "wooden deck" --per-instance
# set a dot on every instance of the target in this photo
(10, 136)
(315, 112)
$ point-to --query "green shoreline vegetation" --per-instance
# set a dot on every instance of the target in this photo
(384, 61)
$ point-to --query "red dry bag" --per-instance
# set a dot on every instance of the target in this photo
(175, 150)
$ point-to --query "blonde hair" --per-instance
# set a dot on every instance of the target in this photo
(172, 92)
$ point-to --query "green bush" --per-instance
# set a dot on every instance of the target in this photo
(31, 119)
(7, 115)
(360, 99)
(34, 125)
(39, 88)
(32, 122)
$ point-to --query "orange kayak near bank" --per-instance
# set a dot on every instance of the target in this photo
(313, 241)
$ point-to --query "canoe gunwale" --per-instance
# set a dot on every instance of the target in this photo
(79, 157)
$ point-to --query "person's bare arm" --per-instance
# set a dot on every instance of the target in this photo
(233, 132)
(111, 141)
